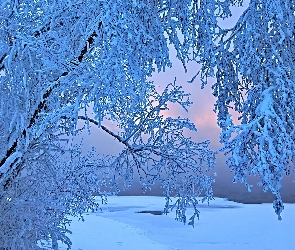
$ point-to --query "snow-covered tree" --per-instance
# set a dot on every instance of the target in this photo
(63, 61)
(253, 63)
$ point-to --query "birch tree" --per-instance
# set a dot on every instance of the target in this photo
(57, 58)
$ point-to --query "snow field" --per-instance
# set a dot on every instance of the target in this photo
(222, 225)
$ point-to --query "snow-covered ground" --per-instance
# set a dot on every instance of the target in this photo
(222, 225)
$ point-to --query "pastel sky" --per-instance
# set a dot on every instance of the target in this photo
(201, 113)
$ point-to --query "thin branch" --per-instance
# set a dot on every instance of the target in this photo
(234, 30)
(106, 130)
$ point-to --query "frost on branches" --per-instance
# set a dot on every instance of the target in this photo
(57, 58)
(254, 66)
